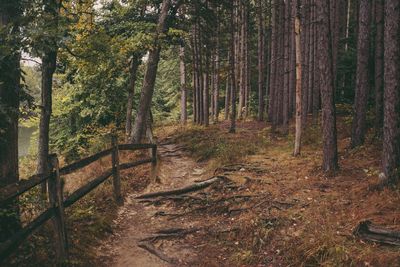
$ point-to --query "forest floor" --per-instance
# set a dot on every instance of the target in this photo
(267, 209)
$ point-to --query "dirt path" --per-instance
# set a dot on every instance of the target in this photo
(137, 220)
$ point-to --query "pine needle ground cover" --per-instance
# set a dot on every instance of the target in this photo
(298, 215)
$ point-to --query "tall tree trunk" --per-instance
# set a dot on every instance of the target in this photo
(316, 88)
(391, 124)
(49, 60)
(247, 63)
(135, 63)
(280, 75)
(194, 74)
(182, 69)
(285, 99)
(273, 64)
(292, 68)
(197, 77)
(200, 72)
(261, 61)
(216, 80)
(227, 96)
(299, 106)
(10, 74)
(232, 128)
(379, 10)
(212, 80)
(206, 92)
(150, 77)
(311, 58)
(330, 157)
(361, 96)
(334, 28)
(305, 57)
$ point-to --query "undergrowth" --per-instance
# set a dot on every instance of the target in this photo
(89, 220)
(317, 230)
(218, 148)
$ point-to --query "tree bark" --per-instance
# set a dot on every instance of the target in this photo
(379, 10)
(227, 92)
(305, 23)
(182, 69)
(330, 158)
(232, 127)
(150, 77)
(135, 63)
(10, 75)
(311, 58)
(273, 64)
(216, 80)
(206, 92)
(299, 106)
(278, 118)
(49, 60)
(362, 81)
(316, 88)
(200, 72)
(391, 132)
(285, 99)
(261, 61)
(292, 68)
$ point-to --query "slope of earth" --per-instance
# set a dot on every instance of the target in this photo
(267, 208)
(282, 210)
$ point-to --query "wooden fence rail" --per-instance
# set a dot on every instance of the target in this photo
(58, 203)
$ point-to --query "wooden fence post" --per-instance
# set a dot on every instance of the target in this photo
(115, 170)
(56, 199)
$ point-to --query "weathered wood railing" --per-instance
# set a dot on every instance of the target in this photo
(58, 203)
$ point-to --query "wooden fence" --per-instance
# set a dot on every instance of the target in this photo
(58, 203)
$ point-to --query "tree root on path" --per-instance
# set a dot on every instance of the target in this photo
(183, 190)
(158, 200)
(153, 250)
(147, 243)
(169, 233)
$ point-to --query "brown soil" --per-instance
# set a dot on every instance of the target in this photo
(138, 220)
(272, 209)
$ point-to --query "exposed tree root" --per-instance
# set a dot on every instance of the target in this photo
(184, 190)
(169, 233)
(367, 231)
(158, 200)
(156, 252)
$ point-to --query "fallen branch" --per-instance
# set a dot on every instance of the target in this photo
(153, 250)
(183, 190)
(367, 231)
(168, 233)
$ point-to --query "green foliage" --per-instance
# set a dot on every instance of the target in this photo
(167, 90)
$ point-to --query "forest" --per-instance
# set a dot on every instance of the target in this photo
(199, 132)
